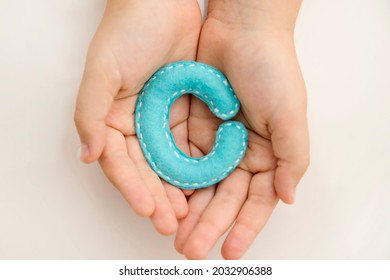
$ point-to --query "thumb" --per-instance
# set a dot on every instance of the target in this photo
(290, 141)
(94, 100)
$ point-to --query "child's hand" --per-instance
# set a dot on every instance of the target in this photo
(260, 62)
(134, 39)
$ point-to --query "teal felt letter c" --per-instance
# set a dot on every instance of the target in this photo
(152, 125)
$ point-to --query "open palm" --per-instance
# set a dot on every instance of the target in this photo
(268, 82)
(246, 197)
(130, 44)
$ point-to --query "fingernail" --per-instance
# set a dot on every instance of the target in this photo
(83, 152)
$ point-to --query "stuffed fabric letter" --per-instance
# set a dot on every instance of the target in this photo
(152, 125)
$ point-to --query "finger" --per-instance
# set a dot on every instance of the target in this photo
(177, 199)
(254, 214)
(121, 115)
(188, 192)
(96, 94)
(163, 217)
(219, 215)
(123, 174)
(290, 141)
(196, 204)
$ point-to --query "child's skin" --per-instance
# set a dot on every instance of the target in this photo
(251, 41)
(134, 39)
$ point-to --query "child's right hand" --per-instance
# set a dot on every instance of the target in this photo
(134, 39)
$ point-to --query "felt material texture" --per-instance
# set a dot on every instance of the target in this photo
(152, 125)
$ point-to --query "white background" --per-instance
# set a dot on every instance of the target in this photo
(52, 206)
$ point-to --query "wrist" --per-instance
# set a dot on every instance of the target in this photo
(272, 18)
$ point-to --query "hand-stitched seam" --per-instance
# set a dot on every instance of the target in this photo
(169, 136)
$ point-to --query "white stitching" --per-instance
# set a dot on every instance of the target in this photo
(167, 135)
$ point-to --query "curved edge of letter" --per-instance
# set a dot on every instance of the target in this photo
(152, 125)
